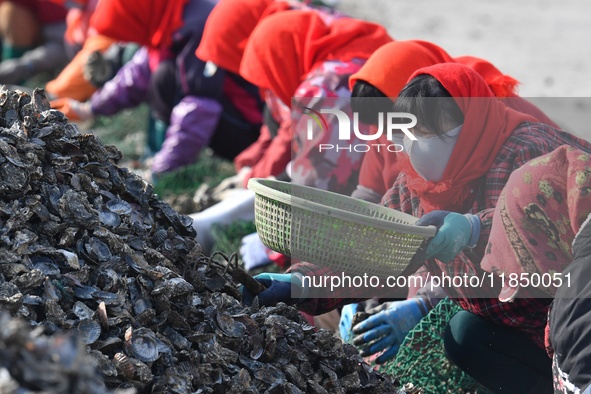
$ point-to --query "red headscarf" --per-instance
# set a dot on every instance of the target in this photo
(150, 23)
(540, 209)
(284, 47)
(228, 27)
(389, 67)
(488, 123)
(501, 85)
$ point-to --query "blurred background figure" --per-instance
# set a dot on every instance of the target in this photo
(225, 37)
(87, 70)
(32, 33)
(197, 106)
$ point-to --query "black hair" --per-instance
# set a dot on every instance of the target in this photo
(368, 101)
(426, 98)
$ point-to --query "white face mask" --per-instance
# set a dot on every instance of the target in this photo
(429, 155)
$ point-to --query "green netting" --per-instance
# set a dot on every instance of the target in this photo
(421, 359)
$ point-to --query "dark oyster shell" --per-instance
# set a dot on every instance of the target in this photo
(89, 254)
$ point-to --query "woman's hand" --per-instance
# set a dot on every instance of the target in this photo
(74, 110)
(455, 232)
(280, 288)
(387, 329)
(230, 184)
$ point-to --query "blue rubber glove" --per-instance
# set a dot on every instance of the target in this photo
(279, 289)
(253, 252)
(387, 329)
(455, 233)
(347, 313)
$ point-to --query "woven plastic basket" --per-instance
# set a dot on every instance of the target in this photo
(335, 231)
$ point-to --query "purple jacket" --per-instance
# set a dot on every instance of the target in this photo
(180, 94)
(127, 89)
(192, 123)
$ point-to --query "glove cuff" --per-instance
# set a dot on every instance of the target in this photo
(475, 230)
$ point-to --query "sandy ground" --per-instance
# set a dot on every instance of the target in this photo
(544, 44)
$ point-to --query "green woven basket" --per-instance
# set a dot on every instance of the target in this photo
(336, 231)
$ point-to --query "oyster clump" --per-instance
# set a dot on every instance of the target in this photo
(92, 259)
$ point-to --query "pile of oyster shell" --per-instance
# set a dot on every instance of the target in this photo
(87, 249)
(33, 362)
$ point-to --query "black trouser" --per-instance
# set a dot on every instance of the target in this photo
(233, 133)
(500, 358)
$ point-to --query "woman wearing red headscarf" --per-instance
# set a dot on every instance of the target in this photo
(81, 41)
(226, 33)
(540, 231)
(385, 74)
(297, 54)
(379, 82)
(203, 106)
(468, 143)
(464, 170)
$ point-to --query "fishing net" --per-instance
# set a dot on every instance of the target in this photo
(421, 359)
